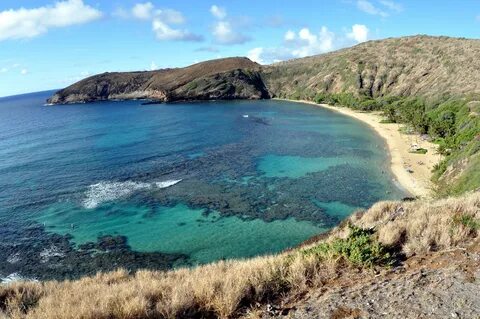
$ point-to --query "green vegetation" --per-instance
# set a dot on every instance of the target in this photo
(360, 248)
(467, 220)
(386, 121)
(449, 122)
(419, 151)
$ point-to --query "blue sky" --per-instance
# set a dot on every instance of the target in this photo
(48, 44)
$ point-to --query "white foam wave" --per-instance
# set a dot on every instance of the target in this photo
(168, 183)
(108, 191)
(47, 253)
(14, 277)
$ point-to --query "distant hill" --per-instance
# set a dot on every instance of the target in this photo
(230, 78)
(409, 66)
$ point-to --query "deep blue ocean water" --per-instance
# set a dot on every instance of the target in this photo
(97, 186)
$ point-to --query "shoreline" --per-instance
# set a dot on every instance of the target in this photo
(417, 181)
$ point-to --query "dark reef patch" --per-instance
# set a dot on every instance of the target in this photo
(53, 256)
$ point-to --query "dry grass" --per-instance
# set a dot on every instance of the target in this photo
(422, 226)
(230, 288)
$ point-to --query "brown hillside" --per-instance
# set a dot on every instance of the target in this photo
(418, 65)
(159, 85)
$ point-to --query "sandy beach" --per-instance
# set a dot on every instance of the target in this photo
(412, 171)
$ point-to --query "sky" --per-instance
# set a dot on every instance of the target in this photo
(48, 44)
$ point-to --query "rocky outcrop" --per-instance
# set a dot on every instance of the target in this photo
(236, 84)
(231, 78)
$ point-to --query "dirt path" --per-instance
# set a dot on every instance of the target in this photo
(439, 285)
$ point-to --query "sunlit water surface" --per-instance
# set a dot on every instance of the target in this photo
(98, 186)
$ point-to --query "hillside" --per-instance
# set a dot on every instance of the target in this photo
(410, 66)
(397, 259)
(227, 78)
(432, 67)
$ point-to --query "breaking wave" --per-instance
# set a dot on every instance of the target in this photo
(108, 191)
(168, 183)
(14, 277)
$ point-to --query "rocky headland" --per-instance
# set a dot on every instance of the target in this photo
(229, 78)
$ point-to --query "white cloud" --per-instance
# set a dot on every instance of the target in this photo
(3, 70)
(392, 5)
(28, 23)
(153, 66)
(289, 35)
(161, 20)
(164, 32)
(255, 55)
(170, 16)
(218, 12)
(225, 34)
(369, 8)
(23, 71)
(147, 11)
(359, 33)
(223, 30)
(306, 43)
(143, 11)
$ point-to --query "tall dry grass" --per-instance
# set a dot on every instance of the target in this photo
(421, 226)
(229, 288)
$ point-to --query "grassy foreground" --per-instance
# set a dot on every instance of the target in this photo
(378, 237)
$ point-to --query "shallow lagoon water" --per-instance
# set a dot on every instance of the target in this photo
(82, 175)
(179, 229)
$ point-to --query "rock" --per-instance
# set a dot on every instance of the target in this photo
(230, 78)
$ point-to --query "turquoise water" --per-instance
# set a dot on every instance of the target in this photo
(180, 229)
(98, 186)
(297, 166)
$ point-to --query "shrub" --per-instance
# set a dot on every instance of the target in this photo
(360, 248)
(467, 220)
(419, 151)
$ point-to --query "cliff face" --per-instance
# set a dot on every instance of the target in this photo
(230, 78)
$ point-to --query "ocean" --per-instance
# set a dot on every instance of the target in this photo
(106, 185)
